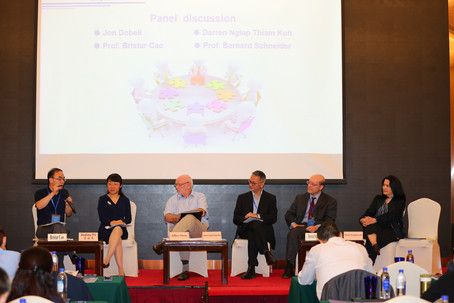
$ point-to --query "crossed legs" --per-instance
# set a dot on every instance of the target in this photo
(116, 249)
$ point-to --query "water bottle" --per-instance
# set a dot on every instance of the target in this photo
(62, 283)
(444, 299)
(385, 292)
(54, 261)
(401, 283)
(410, 257)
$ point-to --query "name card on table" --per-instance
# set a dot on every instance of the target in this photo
(311, 237)
(353, 235)
(178, 236)
(212, 236)
(88, 236)
(57, 237)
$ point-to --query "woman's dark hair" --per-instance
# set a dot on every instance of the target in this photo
(34, 276)
(396, 186)
(116, 178)
(4, 282)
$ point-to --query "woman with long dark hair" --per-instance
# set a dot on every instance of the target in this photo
(33, 278)
(114, 210)
(382, 221)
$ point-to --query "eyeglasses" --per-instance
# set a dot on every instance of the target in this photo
(253, 183)
(180, 184)
(60, 179)
(312, 183)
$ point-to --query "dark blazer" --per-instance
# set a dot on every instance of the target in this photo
(325, 209)
(267, 211)
(393, 218)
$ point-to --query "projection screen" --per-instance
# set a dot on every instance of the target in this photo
(214, 89)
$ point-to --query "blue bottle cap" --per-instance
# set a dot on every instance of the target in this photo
(385, 268)
(61, 270)
(445, 298)
(401, 270)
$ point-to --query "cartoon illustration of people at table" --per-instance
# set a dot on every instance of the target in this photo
(203, 107)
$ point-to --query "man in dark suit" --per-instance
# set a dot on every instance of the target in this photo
(307, 212)
(255, 213)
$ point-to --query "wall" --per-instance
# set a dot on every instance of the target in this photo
(396, 111)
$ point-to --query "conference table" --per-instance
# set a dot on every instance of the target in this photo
(115, 291)
(196, 245)
(96, 247)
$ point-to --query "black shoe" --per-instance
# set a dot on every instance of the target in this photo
(376, 248)
(184, 275)
(288, 273)
(270, 260)
(105, 265)
(159, 248)
(250, 274)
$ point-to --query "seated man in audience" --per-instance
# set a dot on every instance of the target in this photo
(258, 209)
(306, 213)
(332, 257)
(9, 260)
(443, 286)
(185, 200)
(4, 286)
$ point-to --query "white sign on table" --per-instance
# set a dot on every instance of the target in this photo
(179, 236)
(212, 236)
(57, 237)
(88, 236)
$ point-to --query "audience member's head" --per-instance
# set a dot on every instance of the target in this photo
(34, 276)
(4, 285)
(2, 238)
(327, 230)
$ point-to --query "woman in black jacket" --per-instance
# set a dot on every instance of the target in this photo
(382, 221)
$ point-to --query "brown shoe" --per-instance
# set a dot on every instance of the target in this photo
(159, 248)
(184, 275)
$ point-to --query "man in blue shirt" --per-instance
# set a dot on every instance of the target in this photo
(54, 204)
(185, 200)
(8, 259)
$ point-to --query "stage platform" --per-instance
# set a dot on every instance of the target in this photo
(149, 287)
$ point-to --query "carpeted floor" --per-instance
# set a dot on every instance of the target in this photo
(274, 285)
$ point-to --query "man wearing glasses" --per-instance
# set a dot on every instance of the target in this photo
(307, 212)
(185, 201)
(53, 204)
(255, 213)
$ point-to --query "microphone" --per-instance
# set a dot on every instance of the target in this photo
(71, 205)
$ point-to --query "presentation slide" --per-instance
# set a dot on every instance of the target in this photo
(215, 89)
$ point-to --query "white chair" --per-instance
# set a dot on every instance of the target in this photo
(240, 258)
(386, 256)
(66, 260)
(423, 217)
(412, 273)
(197, 262)
(407, 299)
(130, 253)
(31, 299)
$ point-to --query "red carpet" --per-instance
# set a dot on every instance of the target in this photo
(148, 287)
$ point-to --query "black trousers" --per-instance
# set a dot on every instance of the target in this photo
(385, 235)
(293, 238)
(257, 240)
